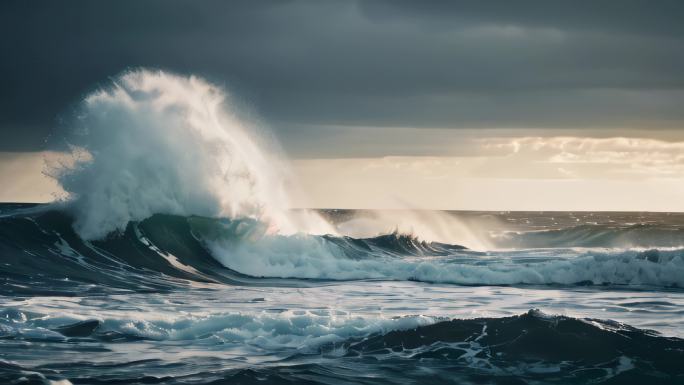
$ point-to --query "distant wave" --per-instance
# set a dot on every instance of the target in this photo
(41, 252)
(587, 235)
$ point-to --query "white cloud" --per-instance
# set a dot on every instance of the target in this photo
(595, 157)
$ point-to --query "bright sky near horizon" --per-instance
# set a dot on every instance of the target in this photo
(537, 105)
(496, 173)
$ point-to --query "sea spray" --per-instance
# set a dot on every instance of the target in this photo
(427, 225)
(154, 142)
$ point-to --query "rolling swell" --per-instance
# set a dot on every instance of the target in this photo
(42, 254)
(641, 235)
(536, 347)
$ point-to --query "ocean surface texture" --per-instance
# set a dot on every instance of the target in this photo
(526, 298)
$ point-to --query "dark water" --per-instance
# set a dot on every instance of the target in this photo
(567, 298)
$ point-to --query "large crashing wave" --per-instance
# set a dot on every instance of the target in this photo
(155, 142)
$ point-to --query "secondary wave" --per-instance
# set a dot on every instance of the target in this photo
(591, 235)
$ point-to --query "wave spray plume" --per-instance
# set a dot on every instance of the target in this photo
(155, 142)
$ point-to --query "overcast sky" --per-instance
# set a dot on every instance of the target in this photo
(301, 65)
(483, 95)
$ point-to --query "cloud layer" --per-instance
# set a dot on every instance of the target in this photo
(528, 173)
(301, 64)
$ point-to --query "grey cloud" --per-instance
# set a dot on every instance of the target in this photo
(462, 64)
(623, 16)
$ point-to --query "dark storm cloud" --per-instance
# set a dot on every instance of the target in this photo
(458, 64)
(626, 16)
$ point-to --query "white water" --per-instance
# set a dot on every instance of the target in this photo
(303, 330)
(155, 142)
(312, 257)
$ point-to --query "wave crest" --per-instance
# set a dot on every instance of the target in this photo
(166, 251)
(155, 142)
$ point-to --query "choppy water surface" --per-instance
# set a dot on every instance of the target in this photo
(195, 300)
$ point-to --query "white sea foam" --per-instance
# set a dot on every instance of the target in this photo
(155, 142)
(303, 330)
(314, 257)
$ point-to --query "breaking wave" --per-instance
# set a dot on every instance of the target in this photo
(166, 251)
(168, 188)
(158, 143)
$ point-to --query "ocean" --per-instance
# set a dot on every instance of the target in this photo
(524, 298)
